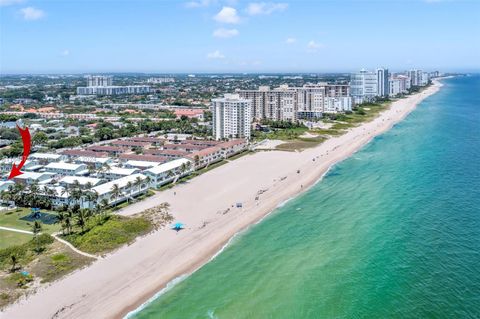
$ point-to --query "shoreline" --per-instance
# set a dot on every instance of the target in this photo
(125, 280)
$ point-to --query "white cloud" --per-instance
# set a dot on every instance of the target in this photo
(65, 52)
(217, 55)
(313, 46)
(4, 3)
(225, 33)
(290, 40)
(262, 8)
(31, 13)
(198, 4)
(227, 15)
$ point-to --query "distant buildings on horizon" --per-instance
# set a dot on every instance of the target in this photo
(103, 85)
(308, 102)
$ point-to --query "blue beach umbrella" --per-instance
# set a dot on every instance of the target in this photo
(178, 226)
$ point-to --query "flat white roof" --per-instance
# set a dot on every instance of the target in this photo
(33, 175)
(2, 183)
(121, 171)
(81, 179)
(45, 156)
(63, 165)
(141, 163)
(121, 182)
(168, 166)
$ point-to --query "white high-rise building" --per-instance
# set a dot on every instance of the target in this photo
(382, 82)
(102, 85)
(231, 117)
(363, 86)
(291, 103)
(424, 78)
(337, 104)
(278, 104)
(99, 80)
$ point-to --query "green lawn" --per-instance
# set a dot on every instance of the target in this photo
(12, 219)
(10, 238)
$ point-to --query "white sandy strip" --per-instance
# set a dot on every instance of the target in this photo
(16, 230)
(122, 281)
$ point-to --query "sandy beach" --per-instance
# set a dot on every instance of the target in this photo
(119, 283)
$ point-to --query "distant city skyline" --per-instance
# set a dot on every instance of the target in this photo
(215, 36)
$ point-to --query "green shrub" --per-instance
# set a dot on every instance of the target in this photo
(25, 252)
(114, 233)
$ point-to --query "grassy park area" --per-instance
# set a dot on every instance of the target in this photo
(18, 218)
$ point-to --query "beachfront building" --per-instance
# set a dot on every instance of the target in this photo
(115, 172)
(141, 165)
(292, 103)
(82, 181)
(363, 86)
(120, 190)
(416, 77)
(232, 117)
(278, 104)
(206, 156)
(168, 172)
(232, 147)
(382, 82)
(337, 104)
(425, 78)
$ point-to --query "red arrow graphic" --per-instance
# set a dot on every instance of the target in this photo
(25, 133)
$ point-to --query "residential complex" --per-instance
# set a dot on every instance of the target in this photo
(231, 117)
(292, 103)
(364, 86)
(117, 173)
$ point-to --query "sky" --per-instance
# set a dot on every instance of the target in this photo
(214, 36)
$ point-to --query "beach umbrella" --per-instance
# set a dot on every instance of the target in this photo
(178, 226)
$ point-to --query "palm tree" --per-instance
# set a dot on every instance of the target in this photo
(129, 189)
(183, 168)
(77, 192)
(48, 194)
(33, 191)
(116, 192)
(36, 229)
(138, 182)
(61, 218)
(82, 218)
(91, 197)
(170, 174)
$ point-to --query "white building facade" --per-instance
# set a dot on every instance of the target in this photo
(231, 117)
(363, 86)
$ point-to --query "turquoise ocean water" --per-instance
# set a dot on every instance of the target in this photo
(392, 232)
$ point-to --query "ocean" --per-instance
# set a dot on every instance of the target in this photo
(391, 232)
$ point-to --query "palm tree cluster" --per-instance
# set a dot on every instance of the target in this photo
(32, 195)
